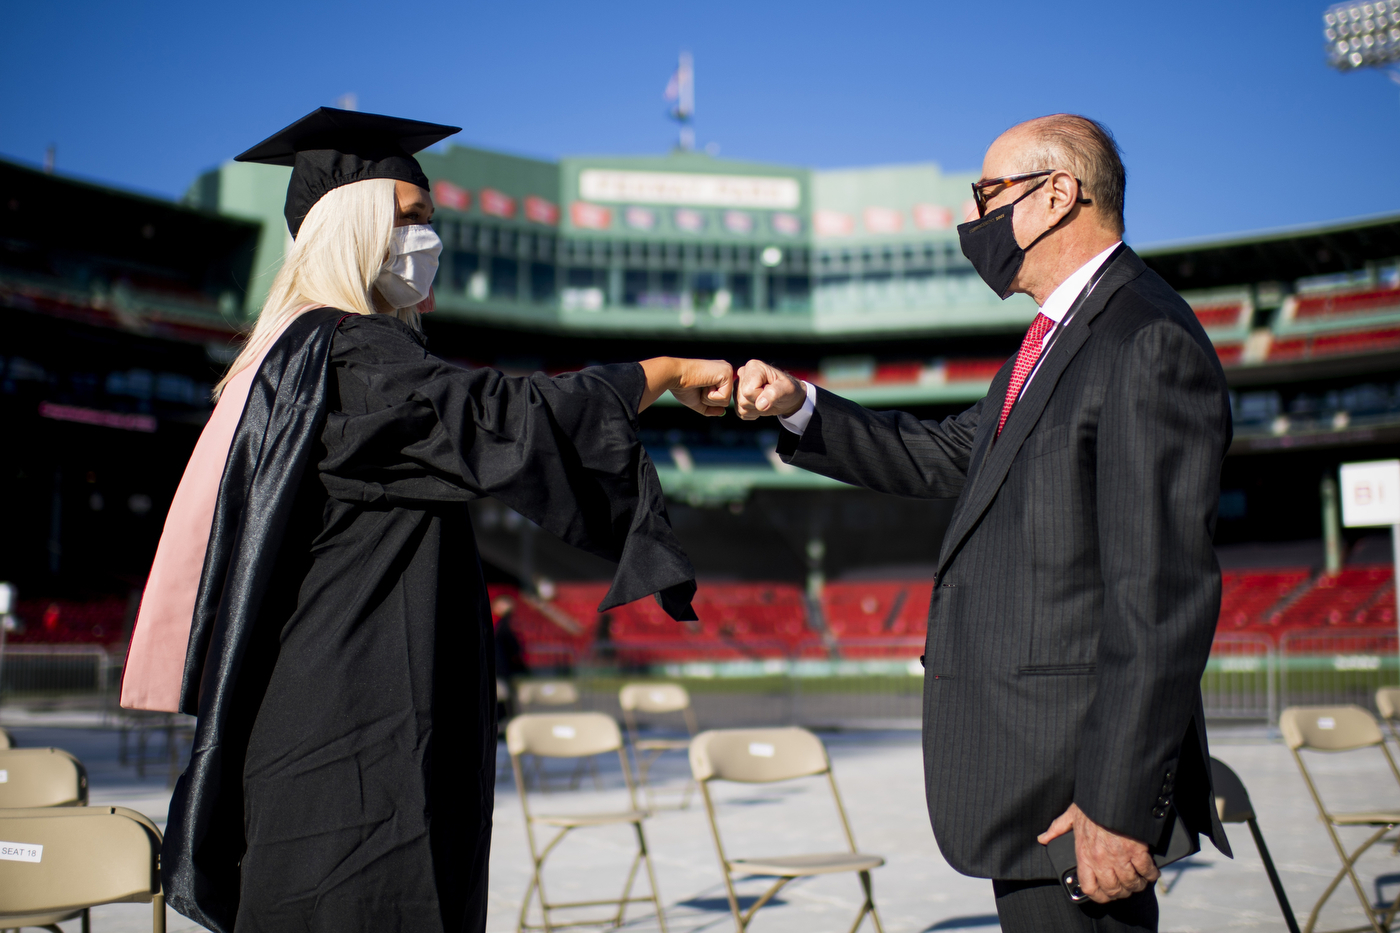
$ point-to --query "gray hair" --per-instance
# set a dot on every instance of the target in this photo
(1084, 147)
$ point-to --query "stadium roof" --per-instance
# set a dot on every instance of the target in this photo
(1284, 254)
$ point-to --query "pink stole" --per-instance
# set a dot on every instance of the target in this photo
(155, 663)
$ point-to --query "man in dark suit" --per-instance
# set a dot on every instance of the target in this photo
(1077, 587)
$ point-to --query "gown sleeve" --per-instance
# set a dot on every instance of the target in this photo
(413, 429)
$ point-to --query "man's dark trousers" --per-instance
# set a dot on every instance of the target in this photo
(1077, 588)
(1044, 906)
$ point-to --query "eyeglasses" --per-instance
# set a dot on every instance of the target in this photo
(984, 191)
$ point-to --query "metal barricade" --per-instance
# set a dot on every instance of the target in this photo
(57, 669)
(1241, 678)
(1330, 667)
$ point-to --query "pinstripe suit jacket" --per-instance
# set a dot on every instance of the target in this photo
(1077, 588)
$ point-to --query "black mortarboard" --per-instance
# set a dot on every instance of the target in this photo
(328, 148)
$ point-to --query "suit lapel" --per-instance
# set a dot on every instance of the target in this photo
(991, 461)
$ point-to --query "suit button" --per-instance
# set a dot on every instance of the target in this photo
(1170, 777)
(1159, 812)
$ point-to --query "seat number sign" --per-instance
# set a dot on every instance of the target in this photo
(21, 852)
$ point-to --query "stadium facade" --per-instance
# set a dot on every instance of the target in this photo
(123, 310)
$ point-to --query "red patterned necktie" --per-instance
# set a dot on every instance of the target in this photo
(1025, 362)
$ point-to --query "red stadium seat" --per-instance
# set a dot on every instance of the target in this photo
(1337, 599)
(1370, 301)
(1246, 597)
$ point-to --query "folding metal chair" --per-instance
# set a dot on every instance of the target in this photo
(1342, 729)
(60, 861)
(1388, 702)
(1233, 806)
(654, 699)
(41, 777)
(552, 693)
(576, 735)
(766, 756)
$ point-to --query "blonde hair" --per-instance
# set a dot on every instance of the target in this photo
(333, 262)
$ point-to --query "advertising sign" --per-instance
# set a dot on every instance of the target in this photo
(541, 211)
(497, 204)
(833, 223)
(932, 217)
(1371, 493)
(639, 218)
(690, 189)
(590, 216)
(451, 196)
(883, 220)
(786, 224)
(738, 221)
(688, 220)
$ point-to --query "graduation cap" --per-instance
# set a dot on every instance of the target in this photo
(328, 148)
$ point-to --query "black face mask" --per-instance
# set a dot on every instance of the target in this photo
(989, 243)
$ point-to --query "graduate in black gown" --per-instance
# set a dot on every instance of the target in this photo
(340, 655)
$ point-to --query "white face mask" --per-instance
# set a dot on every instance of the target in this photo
(407, 275)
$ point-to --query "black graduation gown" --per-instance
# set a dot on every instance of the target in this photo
(341, 657)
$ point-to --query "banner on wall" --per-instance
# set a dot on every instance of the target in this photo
(688, 220)
(883, 220)
(496, 203)
(541, 211)
(639, 218)
(450, 196)
(833, 223)
(932, 217)
(590, 216)
(754, 191)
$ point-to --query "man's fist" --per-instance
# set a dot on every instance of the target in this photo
(704, 385)
(767, 390)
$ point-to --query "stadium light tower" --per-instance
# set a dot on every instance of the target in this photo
(1364, 35)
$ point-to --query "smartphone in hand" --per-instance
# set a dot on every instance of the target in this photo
(1180, 844)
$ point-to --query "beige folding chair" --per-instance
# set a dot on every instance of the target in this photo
(6, 740)
(1388, 702)
(1342, 729)
(552, 693)
(59, 861)
(765, 756)
(41, 777)
(656, 699)
(575, 735)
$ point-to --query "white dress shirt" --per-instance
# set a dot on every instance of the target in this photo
(1055, 308)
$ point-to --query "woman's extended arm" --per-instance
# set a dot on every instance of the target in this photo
(704, 385)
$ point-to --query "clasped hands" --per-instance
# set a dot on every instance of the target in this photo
(708, 385)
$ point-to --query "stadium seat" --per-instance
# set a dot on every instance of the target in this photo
(1367, 301)
(69, 859)
(863, 615)
(1335, 599)
(1246, 597)
(580, 736)
(1336, 729)
(766, 756)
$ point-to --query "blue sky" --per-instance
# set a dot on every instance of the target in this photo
(1228, 115)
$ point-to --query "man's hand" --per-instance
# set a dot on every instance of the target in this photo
(1110, 866)
(703, 385)
(767, 390)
